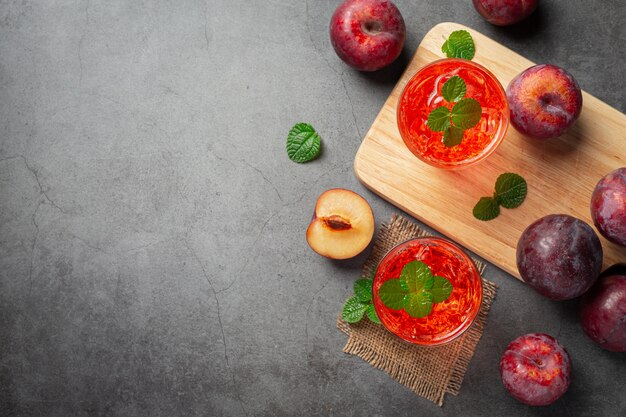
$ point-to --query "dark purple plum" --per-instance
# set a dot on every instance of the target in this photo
(603, 313)
(559, 256)
(608, 206)
(535, 369)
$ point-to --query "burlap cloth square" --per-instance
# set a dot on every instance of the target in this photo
(430, 372)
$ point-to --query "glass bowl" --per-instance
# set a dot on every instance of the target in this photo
(448, 319)
(423, 93)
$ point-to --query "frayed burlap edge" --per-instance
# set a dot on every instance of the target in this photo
(431, 387)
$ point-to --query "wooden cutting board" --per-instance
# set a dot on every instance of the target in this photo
(561, 173)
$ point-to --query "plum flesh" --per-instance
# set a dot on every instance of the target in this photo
(559, 256)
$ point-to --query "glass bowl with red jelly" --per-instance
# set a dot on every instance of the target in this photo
(422, 94)
(448, 319)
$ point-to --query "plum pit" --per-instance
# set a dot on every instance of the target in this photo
(337, 222)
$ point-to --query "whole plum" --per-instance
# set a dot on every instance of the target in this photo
(608, 206)
(505, 12)
(545, 101)
(603, 312)
(559, 256)
(535, 368)
(367, 34)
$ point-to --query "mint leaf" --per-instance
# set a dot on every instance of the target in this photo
(419, 304)
(466, 113)
(441, 290)
(454, 89)
(439, 119)
(361, 303)
(415, 291)
(487, 208)
(371, 314)
(453, 136)
(303, 143)
(392, 294)
(459, 45)
(353, 310)
(416, 276)
(511, 190)
(363, 290)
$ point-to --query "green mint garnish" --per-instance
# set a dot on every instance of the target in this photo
(361, 304)
(416, 276)
(459, 45)
(303, 143)
(454, 89)
(465, 114)
(371, 314)
(363, 290)
(353, 310)
(441, 290)
(487, 208)
(439, 119)
(392, 294)
(415, 291)
(511, 190)
(453, 136)
(419, 304)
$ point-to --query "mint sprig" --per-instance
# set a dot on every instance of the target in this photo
(459, 45)
(465, 113)
(415, 291)
(360, 304)
(303, 143)
(510, 192)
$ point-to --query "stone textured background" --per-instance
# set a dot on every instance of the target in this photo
(152, 251)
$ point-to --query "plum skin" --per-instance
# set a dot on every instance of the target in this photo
(505, 12)
(559, 256)
(603, 313)
(608, 206)
(536, 369)
(367, 34)
(544, 101)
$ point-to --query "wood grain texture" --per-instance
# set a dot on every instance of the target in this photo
(561, 173)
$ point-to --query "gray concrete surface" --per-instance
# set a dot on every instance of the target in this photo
(152, 251)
